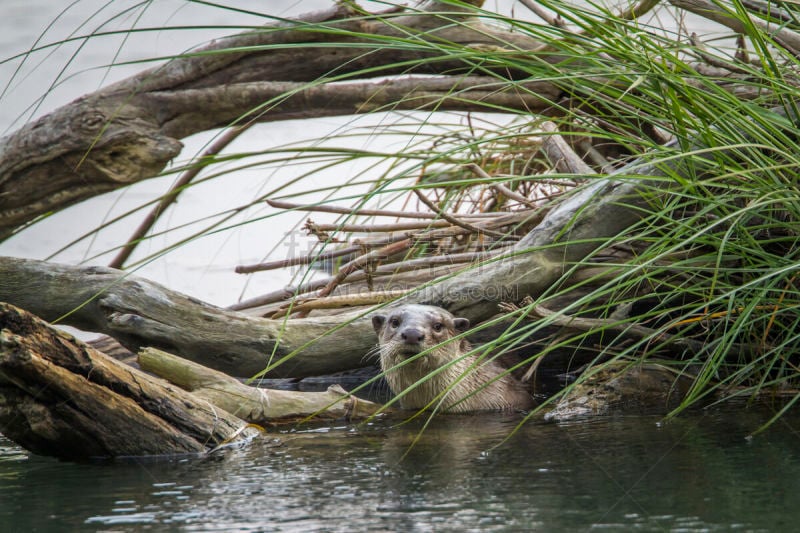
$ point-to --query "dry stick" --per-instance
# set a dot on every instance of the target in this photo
(348, 211)
(280, 295)
(172, 195)
(563, 157)
(390, 250)
(379, 228)
(769, 10)
(453, 220)
(381, 271)
(781, 35)
(508, 193)
(556, 20)
(436, 260)
(308, 259)
(323, 256)
(295, 261)
(741, 50)
(700, 50)
(361, 262)
(337, 302)
(501, 188)
(288, 292)
(638, 10)
(597, 158)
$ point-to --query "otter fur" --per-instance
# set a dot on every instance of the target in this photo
(462, 384)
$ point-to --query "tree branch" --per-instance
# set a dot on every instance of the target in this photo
(130, 130)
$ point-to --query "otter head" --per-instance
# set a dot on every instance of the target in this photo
(410, 329)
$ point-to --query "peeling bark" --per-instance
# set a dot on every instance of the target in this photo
(62, 398)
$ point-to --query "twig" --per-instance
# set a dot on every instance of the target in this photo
(741, 50)
(376, 228)
(322, 256)
(280, 295)
(642, 8)
(337, 302)
(453, 220)
(511, 195)
(507, 219)
(769, 10)
(560, 154)
(556, 20)
(295, 261)
(384, 270)
(362, 261)
(499, 187)
(700, 50)
(172, 195)
(280, 204)
(780, 34)
(597, 158)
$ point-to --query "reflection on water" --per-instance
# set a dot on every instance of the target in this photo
(699, 472)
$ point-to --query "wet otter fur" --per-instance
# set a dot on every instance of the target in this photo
(471, 384)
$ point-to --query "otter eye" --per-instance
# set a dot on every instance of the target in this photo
(394, 322)
(438, 326)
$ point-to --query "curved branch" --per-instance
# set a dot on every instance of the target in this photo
(130, 130)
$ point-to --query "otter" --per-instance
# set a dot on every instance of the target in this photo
(468, 384)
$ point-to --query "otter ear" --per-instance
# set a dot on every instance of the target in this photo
(461, 324)
(377, 322)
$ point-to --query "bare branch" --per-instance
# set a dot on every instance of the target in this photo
(782, 35)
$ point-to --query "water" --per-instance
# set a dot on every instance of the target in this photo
(698, 473)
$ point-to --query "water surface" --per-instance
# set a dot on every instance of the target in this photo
(700, 472)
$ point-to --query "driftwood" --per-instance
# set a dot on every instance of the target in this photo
(622, 387)
(60, 397)
(129, 131)
(140, 313)
(255, 405)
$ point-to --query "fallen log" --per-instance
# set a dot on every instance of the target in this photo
(141, 313)
(129, 131)
(621, 387)
(255, 405)
(59, 397)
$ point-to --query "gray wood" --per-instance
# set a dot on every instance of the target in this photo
(129, 131)
(61, 397)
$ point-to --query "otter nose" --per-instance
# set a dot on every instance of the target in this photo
(412, 336)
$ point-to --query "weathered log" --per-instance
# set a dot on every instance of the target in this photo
(61, 397)
(141, 313)
(623, 388)
(129, 131)
(255, 405)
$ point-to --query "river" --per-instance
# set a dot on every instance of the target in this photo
(701, 472)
